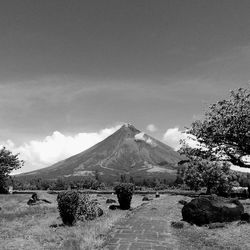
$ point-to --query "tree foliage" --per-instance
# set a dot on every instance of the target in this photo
(224, 132)
(8, 163)
(214, 176)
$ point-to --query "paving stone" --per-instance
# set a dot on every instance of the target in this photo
(145, 229)
(139, 246)
(123, 247)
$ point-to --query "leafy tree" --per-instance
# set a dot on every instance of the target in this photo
(8, 163)
(214, 176)
(224, 133)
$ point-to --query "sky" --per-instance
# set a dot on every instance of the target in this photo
(71, 72)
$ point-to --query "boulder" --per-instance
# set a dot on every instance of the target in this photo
(182, 202)
(245, 217)
(109, 201)
(177, 224)
(157, 195)
(34, 200)
(209, 209)
(145, 198)
(114, 207)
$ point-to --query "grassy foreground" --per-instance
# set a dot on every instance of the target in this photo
(25, 228)
(28, 227)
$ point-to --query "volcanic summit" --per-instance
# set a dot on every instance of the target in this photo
(127, 151)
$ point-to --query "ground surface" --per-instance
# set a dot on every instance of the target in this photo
(147, 227)
(24, 227)
(150, 228)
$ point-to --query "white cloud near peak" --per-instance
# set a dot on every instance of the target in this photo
(173, 136)
(56, 147)
(152, 128)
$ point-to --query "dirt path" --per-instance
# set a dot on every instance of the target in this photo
(148, 228)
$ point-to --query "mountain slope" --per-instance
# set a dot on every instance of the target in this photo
(127, 151)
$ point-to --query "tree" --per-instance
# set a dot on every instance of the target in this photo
(224, 134)
(214, 176)
(8, 163)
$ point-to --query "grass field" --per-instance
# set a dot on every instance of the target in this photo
(28, 228)
(25, 228)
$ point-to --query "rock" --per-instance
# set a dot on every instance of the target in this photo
(145, 198)
(34, 196)
(34, 200)
(216, 225)
(157, 195)
(114, 207)
(242, 222)
(245, 217)
(46, 201)
(177, 224)
(108, 201)
(209, 209)
(31, 202)
(182, 202)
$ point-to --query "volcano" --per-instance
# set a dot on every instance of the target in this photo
(128, 151)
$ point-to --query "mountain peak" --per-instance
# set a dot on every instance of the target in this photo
(127, 125)
(126, 151)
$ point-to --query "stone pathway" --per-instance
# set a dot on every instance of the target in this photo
(147, 228)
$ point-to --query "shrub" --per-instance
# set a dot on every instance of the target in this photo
(88, 209)
(124, 192)
(75, 206)
(68, 203)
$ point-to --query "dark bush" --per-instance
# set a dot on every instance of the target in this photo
(124, 192)
(68, 203)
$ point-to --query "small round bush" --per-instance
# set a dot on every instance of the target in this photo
(124, 192)
(88, 209)
(68, 205)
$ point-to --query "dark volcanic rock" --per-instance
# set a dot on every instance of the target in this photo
(114, 207)
(34, 200)
(182, 202)
(109, 201)
(210, 209)
(177, 224)
(245, 217)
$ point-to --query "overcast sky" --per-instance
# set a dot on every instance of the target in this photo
(74, 68)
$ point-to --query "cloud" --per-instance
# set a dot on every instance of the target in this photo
(152, 128)
(56, 147)
(142, 137)
(173, 136)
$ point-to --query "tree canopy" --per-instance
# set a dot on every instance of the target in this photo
(224, 133)
(8, 163)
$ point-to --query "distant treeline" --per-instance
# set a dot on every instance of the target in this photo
(95, 182)
(87, 182)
